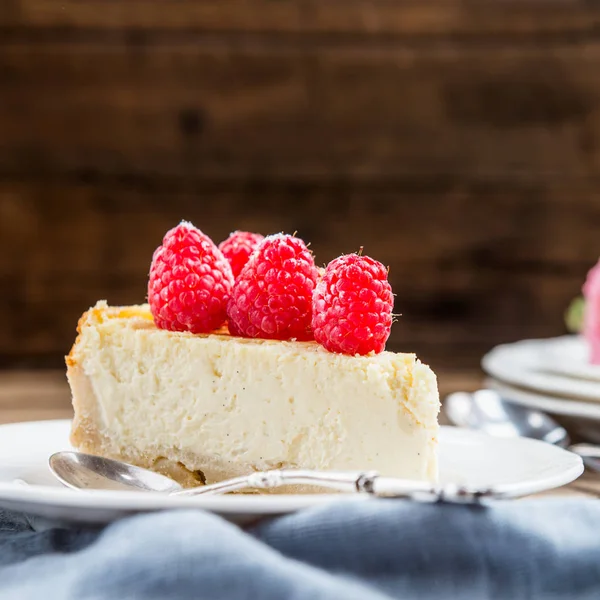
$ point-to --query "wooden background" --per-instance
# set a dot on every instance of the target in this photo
(459, 142)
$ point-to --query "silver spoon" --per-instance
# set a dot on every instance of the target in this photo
(487, 411)
(79, 471)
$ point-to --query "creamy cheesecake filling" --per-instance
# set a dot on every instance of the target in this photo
(225, 405)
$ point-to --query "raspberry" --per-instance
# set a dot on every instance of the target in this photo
(352, 306)
(238, 247)
(190, 282)
(272, 296)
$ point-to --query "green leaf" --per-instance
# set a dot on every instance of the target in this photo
(574, 315)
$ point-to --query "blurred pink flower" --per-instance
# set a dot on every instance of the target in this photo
(591, 322)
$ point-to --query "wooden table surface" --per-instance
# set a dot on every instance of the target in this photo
(38, 395)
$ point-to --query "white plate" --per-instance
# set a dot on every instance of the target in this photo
(515, 467)
(553, 367)
(569, 355)
(549, 404)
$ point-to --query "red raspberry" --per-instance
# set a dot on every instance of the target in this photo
(238, 247)
(272, 297)
(190, 282)
(352, 306)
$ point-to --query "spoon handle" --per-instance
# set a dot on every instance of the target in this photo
(340, 481)
(589, 453)
(345, 481)
(586, 450)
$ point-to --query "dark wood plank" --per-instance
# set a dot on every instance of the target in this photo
(471, 266)
(312, 113)
(371, 18)
(457, 141)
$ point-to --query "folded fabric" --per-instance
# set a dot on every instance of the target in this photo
(548, 548)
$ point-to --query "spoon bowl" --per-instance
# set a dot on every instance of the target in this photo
(487, 411)
(80, 471)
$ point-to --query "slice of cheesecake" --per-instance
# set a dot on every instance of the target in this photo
(203, 408)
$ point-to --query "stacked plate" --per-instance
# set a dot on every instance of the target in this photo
(552, 375)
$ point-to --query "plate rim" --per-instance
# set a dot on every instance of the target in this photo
(523, 372)
(575, 369)
(257, 505)
(557, 405)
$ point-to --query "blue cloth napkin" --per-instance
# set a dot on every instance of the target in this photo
(343, 551)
